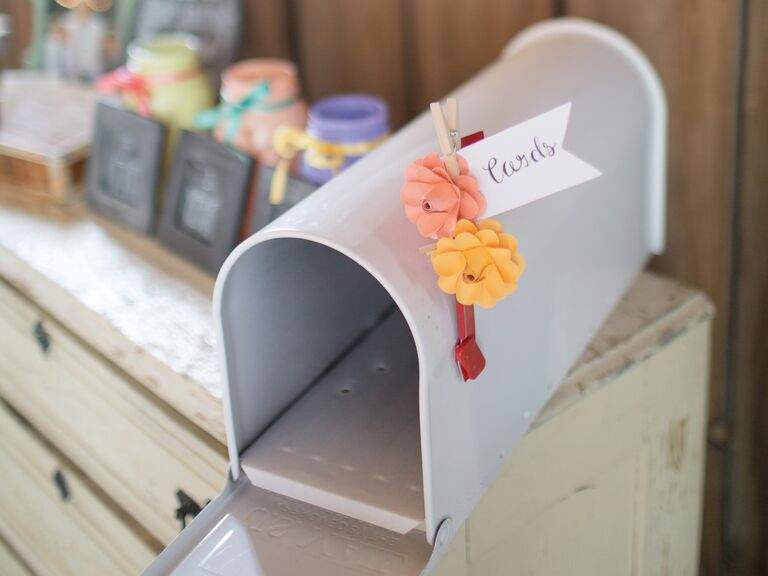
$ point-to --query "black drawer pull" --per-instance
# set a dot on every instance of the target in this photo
(61, 484)
(42, 337)
(187, 508)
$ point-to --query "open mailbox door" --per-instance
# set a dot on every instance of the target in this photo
(356, 448)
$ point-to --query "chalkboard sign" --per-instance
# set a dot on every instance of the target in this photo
(125, 165)
(296, 190)
(204, 200)
(217, 24)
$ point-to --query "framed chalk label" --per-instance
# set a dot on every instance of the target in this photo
(526, 162)
(296, 190)
(204, 200)
(125, 165)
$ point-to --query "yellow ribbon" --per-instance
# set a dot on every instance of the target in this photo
(318, 153)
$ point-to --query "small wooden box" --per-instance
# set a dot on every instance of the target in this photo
(45, 135)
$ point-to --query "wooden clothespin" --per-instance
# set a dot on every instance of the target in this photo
(447, 130)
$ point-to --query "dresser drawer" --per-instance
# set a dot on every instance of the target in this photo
(10, 564)
(51, 516)
(137, 449)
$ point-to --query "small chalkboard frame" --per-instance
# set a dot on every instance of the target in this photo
(233, 172)
(148, 139)
(296, 190)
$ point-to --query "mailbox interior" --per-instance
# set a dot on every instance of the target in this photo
(324, 384)
(253, 532)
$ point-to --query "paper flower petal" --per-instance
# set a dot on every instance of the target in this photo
(429, 224)
(430, 193)
(480, 264)
(449, 263)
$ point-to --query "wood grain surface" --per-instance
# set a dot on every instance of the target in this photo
(450, 40)
(77, 535)
(87, 409)
(747, 520)
(693, 47)
(266, 31)
(352, 46)
(145, 309)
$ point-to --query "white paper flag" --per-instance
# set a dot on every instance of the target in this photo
(526, 162)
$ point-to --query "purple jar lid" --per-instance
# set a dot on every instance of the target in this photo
(348, 118)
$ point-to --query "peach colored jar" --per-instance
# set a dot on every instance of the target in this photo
(281, 105)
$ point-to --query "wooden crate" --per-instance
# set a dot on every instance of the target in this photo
(45, 135)
(61, 180)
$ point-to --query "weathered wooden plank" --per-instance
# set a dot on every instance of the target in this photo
(77, 536)
(449, 40)
(652, 311)
(266, 30)
(747, 517)
(352, 46)
(10, 564)
(693, 47)
(613, 484)
(21, 16)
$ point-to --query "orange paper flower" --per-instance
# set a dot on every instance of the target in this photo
(434, 202)
(480, 264)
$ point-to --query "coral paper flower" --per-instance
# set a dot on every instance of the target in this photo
(480, 264)
(434, 202)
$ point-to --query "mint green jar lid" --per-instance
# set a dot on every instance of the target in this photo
(166, 54)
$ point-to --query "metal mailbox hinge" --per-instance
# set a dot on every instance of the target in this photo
(443, 538)
(718, 435)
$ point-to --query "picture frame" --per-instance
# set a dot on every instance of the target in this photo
(204, 200)
(264, 212)
(79, 39)
(125, 167)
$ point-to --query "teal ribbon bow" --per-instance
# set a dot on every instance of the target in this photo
(232, 113)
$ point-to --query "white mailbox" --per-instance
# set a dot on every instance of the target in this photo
(355, 446)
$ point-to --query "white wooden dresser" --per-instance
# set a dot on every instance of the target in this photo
(112, 432)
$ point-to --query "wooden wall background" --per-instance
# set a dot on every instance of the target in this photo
(712, 56)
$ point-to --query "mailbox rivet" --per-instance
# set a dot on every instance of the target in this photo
(381, 368)
(443, 534)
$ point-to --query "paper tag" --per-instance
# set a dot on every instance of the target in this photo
(526, 162)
